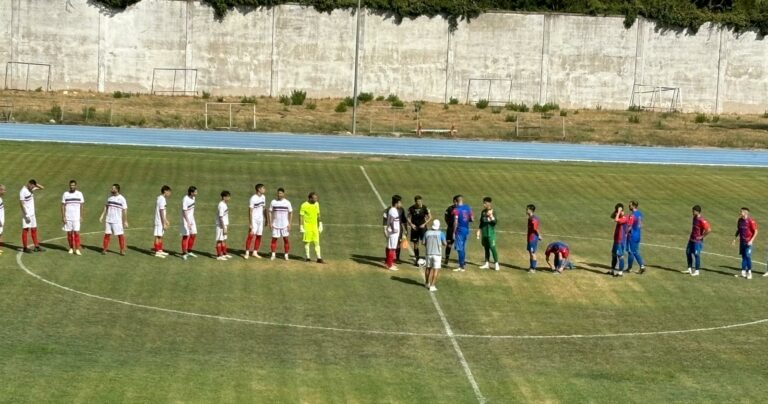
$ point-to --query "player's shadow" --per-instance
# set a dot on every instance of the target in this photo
(663, 268)
(519, 268)
(594, 268)
(10, 246)
(407, 281)
(368, 260)
(92, 248)
(51, 246)
(203, 253)
(730, 267)
(717, 271)
(144, 251)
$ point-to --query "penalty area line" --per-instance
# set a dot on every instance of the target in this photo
(446, 325)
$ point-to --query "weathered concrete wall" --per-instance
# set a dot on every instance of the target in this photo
(576, 61)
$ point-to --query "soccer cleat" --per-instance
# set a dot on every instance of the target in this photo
(749, 275)
(71, 251)
(307, 259)
(642, 270)
(103, 252)
(320, 261)
(255, 254)
(164, 253)
(286, 257)
(26, 250)
(432, 289)
(273, 256)
(765, 274)
(620, 273)
(612, 273)
(191, 254)
(77, 252)
(496, 267)
(689, 271)
(531, 270)
(556, 273)
(485, 266)
(695, 273)
(38, 249)
(221, 258)
(185, 257)
(227, 256)
(122, 252)
(393, 268)
(245, 256)
(160, 254)
(743, 273)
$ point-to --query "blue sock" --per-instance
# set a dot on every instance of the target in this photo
(533, 264)
(621, 263)
(461, 257)
(698, 261)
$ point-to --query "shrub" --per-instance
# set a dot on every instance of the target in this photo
(219, 99)
(88, 112)
(418, 105)
(285, 100)
(563, 113)
(481, 104)
(39, 90)
(120, 94)
(365, 97)
(476, 117)
(298, 97)
(510, 118)
(391, 98)
(348, 101)
(248, 100)
(701, 118)
(341, 107)
(206, 95)
(765, 114)
(635, 108)
(516, 107)
(55, 112)
(455, 101)
(380, 98)
(550, 106)
(715, 118)
(397, 104)
(311, 106)
(634, 119)
(495, 110)
(546, 115)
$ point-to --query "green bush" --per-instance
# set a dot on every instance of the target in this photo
(481, 104)
(550, 106)
(311, 106)
(349, 101)
(206, 95)
(248, 100)
(39, 90)
(341, 107)
(120, 94)
(453, 101)
(88, 112)
(563, 113)
(635, 108)
(715, 118)
(380, 98)
(516, 107)
(219, 99)
(392, 98)
(634, 119)
(298, 97)
(495, 110)
(397, 104)
(701, 118)
(510, 118)
(55, 112)
(365, 97)
(285, 100)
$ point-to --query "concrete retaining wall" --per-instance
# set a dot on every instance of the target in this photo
(576, 61)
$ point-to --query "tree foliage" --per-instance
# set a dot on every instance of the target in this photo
(739, 15)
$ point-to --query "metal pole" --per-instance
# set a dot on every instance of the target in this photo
(206, 115)
(254, 116)
(357, 52)
(230, 116)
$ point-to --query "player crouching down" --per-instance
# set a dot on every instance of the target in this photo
(434, 240)
(561, 252)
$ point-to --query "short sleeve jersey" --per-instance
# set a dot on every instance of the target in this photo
(72, 202)
(393, 221)
(635, 224)
(160, 205)
(746, 228)
(418, 215)
(116, 204)
(464, 217)
(310, 214)
(188, 210)
(698, 227)
(256, 204)
(487, 226)
(449, 219)
(434, 239)
(533, 228)
(222, 215)
(556, 247)
(280, 210)
(27, 199)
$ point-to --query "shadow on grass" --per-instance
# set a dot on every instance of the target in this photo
(730, 267)
(369, 260)
(10, 246)
(50, 246)
(717, 272)
(510, 266)
(668, 269)
(140, 250)
(407, 281)
(593, 267)
(91, 248)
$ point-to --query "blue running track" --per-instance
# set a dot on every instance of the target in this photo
(383, 145)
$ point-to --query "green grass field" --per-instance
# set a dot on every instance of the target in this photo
(60, 345)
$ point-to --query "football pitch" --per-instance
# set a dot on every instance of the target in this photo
(143, 329)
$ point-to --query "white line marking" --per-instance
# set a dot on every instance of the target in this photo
(363, 331)
(462, 360)
(375, 191)
(446, 325)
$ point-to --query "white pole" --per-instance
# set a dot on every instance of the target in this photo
(357, 51)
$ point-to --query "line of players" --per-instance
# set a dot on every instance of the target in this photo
(458, 216)
(278, 217)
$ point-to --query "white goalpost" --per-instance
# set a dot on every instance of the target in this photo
(656, 98)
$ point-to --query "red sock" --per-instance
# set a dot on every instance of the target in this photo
(286, 245)
(219, 250)
(224, 248)
(34, 237)
(105, 243)
(70, 239)
(191, 242)
(390, 257)
(160, 245)
(184, 244)
(248, 241)
(121, 240)
(273, 245)
(77, 240)
(24, 237)
(257, 243)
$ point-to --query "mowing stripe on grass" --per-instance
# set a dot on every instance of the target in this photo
(443, 319)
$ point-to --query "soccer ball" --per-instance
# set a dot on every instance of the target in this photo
(421, 262)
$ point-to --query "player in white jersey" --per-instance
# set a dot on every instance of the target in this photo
(72, 202)
(222, 227)
(28, 219)
(2, 215)
(161, 220)
(116, 211)
(280, 218)
(256, 218)
(392, 231)
(188, 225)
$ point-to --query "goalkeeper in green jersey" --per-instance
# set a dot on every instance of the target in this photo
(487, 233)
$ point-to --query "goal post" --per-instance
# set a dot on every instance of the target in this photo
(656, 98)
(174, 81)
(230, 115)
(27, 75)
(496, 91)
